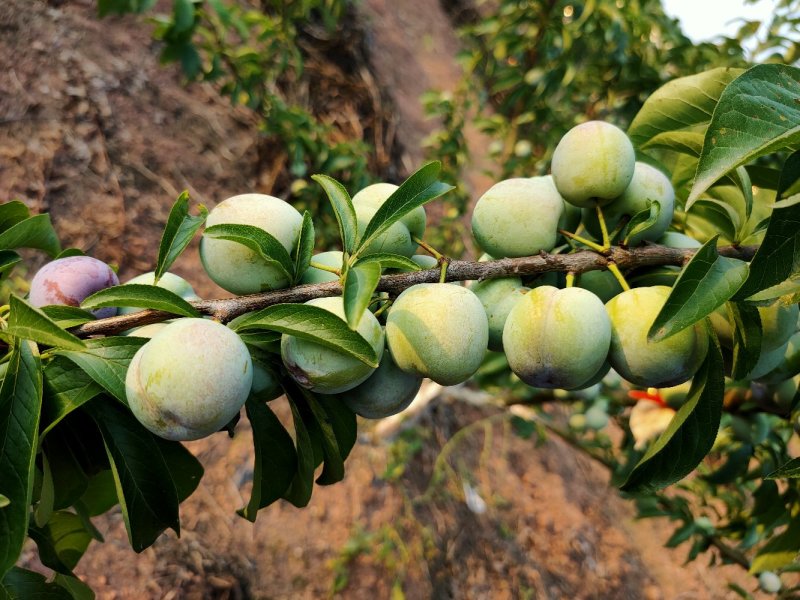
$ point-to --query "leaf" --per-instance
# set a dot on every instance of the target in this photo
(789, 470)
(778, 257)
(20, 404)
(106, 361)
(4, 501)
(258, 240)
(299, 492)
(311, 323)
(704, 285)
(685, 142)
(691, 433)
(76, 588)
(746, 338)
(141, 296)
(359, 285)
(181, 227)
(34, 232)
(643, 220)
(12, 213)
(343, 209)
(147, 491)
(67, 316)
(61, 542)
(8, 258)
(21, 584)
(342, 420)
(681, 104)
(275, 463)
(388, 260)
(66, 388)
(305, 247)
(421, 187)
(757, 114)
(29, 323)
(780, 551)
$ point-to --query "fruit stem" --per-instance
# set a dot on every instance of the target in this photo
(428, 248)
(382, 309)
(444, 262)
(603, 228)
(618, 274)
(570, 279)
(584, 241)
(322, 267)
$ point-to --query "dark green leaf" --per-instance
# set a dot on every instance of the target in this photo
(342, 420)
(778, 257)
(21, 584)
(141, 296)
(62, 541)
(343, 209)
(299, 492)
(183, 15)
(34, 232)
(67, 316)
(305, 247)
(106, 361)
(68, 477)
(390, 261)
(20, 405)
(746, 338)
(30, 323)
(178, 232)
(310, 323)
(275, 463)
(258, 240)
(65, 389)
(722, 217)
(121, 7)
(333, 468)
(12, 213)
(789, 470)
(4, 501)
(704, 285)
(779, 551)
(690, 434)
(421, 187)
(757, 114)
(8, 258)
(359, 285)
(76, 588)
(44, 507)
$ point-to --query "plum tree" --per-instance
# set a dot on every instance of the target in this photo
(70, 280)
(557, 338)
(664, 363)
(236, 267)
(322, 369)
(438, 331)
(498, 297)
(593, 164)
(518, 217)
(189, 380)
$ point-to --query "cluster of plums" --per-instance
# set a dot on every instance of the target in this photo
(194, 375)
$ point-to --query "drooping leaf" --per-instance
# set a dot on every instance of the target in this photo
(779, 551)
(299, 492)
(421, 187)
(22, 584)
(343, 209)
(789, 470)
(746, 338)
(704, 285)
(66, 388)
(757, 114)
(34, 232)
(258, 240)
(343, 422)
(181, 227)
(305, 247)
(359, 285)
(68, 477)
(691, 433)
(275, 464)
(778, 257)
(74, 586)
(20, 405)
(388, 260)
(106, 361)
(141, 296)
(62, 541)
(721, 218)
(29, 323)
(310, 323)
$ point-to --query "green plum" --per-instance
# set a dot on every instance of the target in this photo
(266, 385)
(425, 261)
(602, 284)
(498, 297)
(674, 239)
(332, 258)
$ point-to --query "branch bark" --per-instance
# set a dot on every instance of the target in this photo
(227, 309)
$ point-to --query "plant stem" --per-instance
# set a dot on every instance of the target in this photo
(618, 274)
(603, 228)
(428, 248)
(582, 240)
(322, 267)
(570, 279)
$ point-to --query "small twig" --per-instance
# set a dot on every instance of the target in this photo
(731, 554)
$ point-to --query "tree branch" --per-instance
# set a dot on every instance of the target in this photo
(227, 309)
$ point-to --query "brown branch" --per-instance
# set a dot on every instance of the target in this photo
(227, 309)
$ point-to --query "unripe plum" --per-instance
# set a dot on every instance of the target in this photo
(325, 370)
(425, 261)
(674, 239)
(778, 325)
(332, 258)
(518, 217)
(438, 331)
(651, 364)
(376, 194)
(147, 331)
(596, 418)
(789, 366)
(395, 240)
(769, 582)
(602, 284)
(557, 338)
(498, 297)
(593, 164)
(387, 392)
(265, 386)
(189, 380)
(168, 281)
(237, 268)
(69, 281)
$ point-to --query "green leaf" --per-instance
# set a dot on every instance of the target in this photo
(106, 361)
(780, 551)
(388, 260)
(76, 588)
(685, 142)
(310, 323)
(61, 542)
(421, 187)
(66, 388)
(44, 508)
(778, 257)
(643, 220)
(4, 501)
(12, 213)
(8, 259)
(342, 420)
(258, 240)
(722, 217)
(141, 296)
(757, 114)
(144, 471)
(789, 470)
(67, 316)
(746, 338)
(275, 463)
(181, 227)
(343, 209)
(690, 434)
(359, 285)
(20, 405)
(682, 104)
(704, 285)
(21, 584)
(299, 492)
(34, 232)
(68, 476)
(29, 323)
(305, 247)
